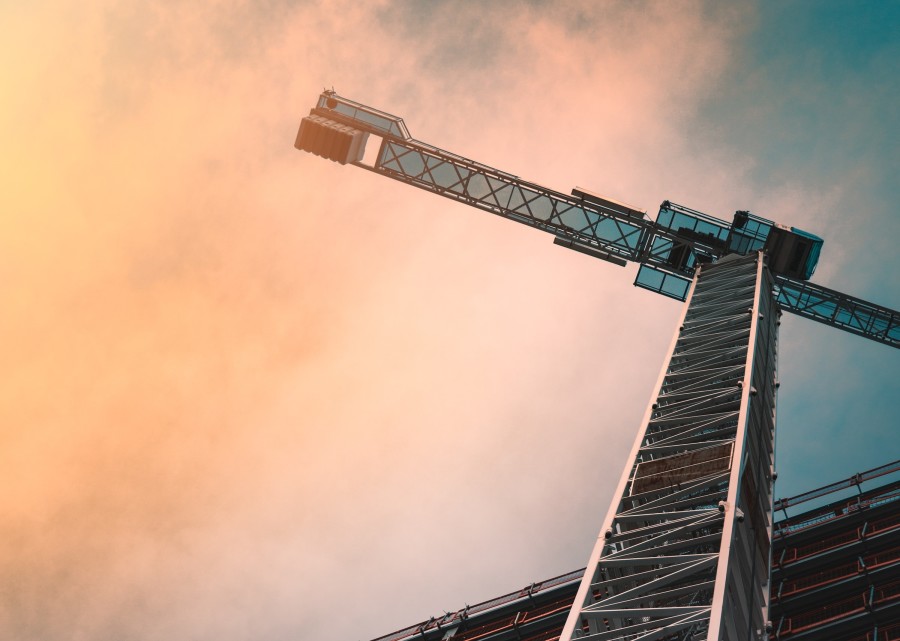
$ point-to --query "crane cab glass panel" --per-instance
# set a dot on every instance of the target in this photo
(704, 237)
(693, 225)
(748, 233)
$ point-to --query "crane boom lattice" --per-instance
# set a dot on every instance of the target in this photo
(668, 249)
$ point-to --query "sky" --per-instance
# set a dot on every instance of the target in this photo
(252, 394)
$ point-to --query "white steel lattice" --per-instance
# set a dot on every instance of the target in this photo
(684, 550)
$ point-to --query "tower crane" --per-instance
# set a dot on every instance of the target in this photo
(684, 550)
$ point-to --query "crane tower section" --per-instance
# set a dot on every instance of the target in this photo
(684, 550)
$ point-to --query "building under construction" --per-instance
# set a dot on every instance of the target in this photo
(835, 576)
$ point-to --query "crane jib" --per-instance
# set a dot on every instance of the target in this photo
(509, 196)
(669, 249)
(839, 310)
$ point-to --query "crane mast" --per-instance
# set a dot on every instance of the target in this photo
(684, 551)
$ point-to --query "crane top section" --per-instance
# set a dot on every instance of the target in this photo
(668, 250)
(791, 251)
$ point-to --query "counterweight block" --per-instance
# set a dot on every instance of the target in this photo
(332, 140)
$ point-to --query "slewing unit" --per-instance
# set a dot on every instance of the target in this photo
(685, 238)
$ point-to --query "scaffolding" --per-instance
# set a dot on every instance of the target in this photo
(836, 567)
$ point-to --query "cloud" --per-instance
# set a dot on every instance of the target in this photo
(248, 383)
(214, 401)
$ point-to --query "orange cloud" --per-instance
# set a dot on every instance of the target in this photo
(243, 383)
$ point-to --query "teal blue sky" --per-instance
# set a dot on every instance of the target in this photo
(813, 99)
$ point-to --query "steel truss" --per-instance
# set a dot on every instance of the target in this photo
(598, 228)
(589, 227)
(675, 558)
(839, 310)
(498, 192)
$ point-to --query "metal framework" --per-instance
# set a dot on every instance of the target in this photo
(836, 568)
(534, 613)
(684, 553)
(839, 310)
(595, 226)
(672, 561)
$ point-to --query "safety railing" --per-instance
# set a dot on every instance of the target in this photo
(850, 507)
(886, 593)
(797, 553)
(844, 571)
(881, 633)
(514, 622)
(819, 579)
(855, 480)
(884, 524)
(454, 618)
(881, 559)
(822, 615)
(870, 599)
(868, 530)
(546, 635)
